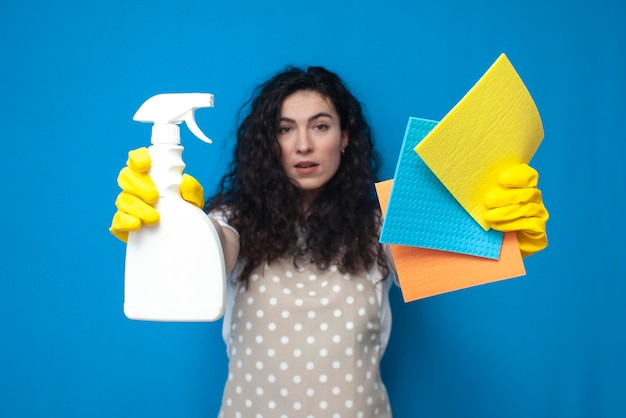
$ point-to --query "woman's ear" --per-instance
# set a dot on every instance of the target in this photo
(345, 139)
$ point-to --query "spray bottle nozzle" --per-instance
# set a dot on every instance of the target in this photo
(167, 110)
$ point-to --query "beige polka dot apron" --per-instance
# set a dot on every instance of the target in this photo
(305, 343)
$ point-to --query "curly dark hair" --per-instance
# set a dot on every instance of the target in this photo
(342, 225)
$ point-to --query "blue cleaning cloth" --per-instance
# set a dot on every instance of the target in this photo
(423, 213)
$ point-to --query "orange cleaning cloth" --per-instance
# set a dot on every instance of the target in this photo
(423, 272)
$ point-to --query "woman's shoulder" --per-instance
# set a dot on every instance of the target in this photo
(222, 215)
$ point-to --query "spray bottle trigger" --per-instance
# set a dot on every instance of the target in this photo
(190, 120)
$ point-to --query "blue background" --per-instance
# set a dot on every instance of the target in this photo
(73, 73)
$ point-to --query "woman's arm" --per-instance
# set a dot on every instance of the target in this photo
(230, 244)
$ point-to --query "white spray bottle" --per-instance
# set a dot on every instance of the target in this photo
(175, 269)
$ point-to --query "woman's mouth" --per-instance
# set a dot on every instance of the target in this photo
(305, 167)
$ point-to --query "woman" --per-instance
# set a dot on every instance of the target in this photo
(299, 193)
(307, 318)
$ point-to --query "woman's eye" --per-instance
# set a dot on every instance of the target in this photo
(283, 129)
(321, 127)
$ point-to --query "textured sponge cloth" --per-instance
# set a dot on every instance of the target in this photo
(495, 126)
(423, 272)
(421, 211)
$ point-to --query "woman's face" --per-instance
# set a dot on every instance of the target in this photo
(311, 141)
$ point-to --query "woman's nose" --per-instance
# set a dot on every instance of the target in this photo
(304, 144)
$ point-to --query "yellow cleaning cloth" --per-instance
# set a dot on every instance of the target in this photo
(495, 126)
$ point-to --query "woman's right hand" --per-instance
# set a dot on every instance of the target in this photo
(139, 193)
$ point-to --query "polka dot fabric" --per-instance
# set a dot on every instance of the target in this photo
(305, 343)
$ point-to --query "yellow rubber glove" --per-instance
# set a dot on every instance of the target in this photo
(139, 193)
(516, 205)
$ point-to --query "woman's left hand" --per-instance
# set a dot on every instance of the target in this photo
(516, 205)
